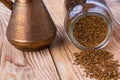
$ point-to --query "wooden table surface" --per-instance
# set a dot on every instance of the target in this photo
(54, 62)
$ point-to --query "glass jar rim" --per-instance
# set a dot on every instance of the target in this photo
(76, 19)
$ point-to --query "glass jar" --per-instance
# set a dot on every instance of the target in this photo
(84, 12)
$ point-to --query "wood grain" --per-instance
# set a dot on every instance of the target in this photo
(55, 62)
(18, 65)
(62, 49)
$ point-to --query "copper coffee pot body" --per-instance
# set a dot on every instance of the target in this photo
(30, 26)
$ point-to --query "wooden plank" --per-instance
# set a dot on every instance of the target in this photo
(18, 65)
(114, 6)
(62, 49)
(114, 44)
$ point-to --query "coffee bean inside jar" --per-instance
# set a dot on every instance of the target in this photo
(89, 24)
(90, 30)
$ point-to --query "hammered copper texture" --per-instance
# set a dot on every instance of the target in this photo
(30, 26)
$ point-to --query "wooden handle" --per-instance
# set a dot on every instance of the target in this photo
(7, 3)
